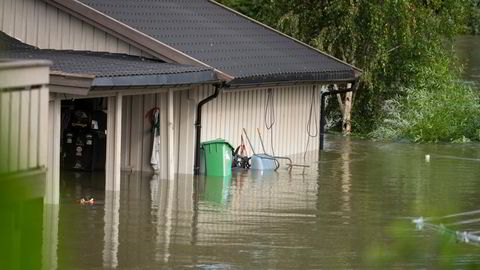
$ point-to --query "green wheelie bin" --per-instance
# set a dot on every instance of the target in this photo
(217, 155)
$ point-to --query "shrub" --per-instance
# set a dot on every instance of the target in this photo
(436, 107)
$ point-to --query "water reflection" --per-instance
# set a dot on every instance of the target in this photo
(111, 229)
(326, 218)
(215, 189)
(50, 236)
(166, 229)
(81, 228)
(346, 178)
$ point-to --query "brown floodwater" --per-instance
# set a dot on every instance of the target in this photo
(333, 215)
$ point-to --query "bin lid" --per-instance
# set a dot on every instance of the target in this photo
(217, 141)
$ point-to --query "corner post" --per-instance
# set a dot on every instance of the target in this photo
(52, 187)
(322, 109)
(322, 119)
(114, 143)
(170, 135)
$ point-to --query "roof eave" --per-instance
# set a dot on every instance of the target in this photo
(232, 87)
(37, 71)
(294, 78)
(70, 83)
(157, 80)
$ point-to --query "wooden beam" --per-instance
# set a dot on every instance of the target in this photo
(347, 115)
(114, 143)
(109, 175)
(118, 142)
(12, 73)
(170, 134)
(339, 99)
(52, 187)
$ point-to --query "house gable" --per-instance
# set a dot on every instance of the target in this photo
(40, 24)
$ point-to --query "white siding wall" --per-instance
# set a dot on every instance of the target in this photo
(137, 136)
(52, 187)
(40, 24)
(23, 116)
(224, 117)
(20, 130)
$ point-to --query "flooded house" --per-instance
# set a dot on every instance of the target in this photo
(200, 68)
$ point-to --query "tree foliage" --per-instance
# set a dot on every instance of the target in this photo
(473, 17)
(390, 40)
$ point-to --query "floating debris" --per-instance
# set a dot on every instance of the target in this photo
(89, 202)
(419, 223)
(467, 235)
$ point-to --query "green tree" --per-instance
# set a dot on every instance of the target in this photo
(473, 17)
(390, 40)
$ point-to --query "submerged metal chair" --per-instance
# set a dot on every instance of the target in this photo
(274, 158)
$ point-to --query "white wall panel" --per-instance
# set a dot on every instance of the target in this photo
(34, 127)
(224, 117)
(52, 185)
(137, 136)
(231, 111)
(23, 116)
(14, 131)
(138, 139)
(4, 127)
(42, 25)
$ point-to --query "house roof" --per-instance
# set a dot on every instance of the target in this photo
(248, 51)
(109, 69)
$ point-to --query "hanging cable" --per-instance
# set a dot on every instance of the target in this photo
(312, 116)
(270, 116)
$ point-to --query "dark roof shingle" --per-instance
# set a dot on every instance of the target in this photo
(107, 67)
(225, 40)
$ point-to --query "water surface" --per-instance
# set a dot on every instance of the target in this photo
(328, 216)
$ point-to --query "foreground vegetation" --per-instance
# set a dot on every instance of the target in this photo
(410, 88)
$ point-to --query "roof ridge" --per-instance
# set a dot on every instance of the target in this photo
(278, 53)
(283, 34)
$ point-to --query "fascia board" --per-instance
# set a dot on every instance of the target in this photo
(75, 84)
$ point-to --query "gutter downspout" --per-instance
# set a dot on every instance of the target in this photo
(322, 108)
(198, 128)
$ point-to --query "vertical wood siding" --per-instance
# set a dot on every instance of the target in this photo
(224, 117)
(137, 136)
(22, 138)
(42, 25)
(52, 185)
